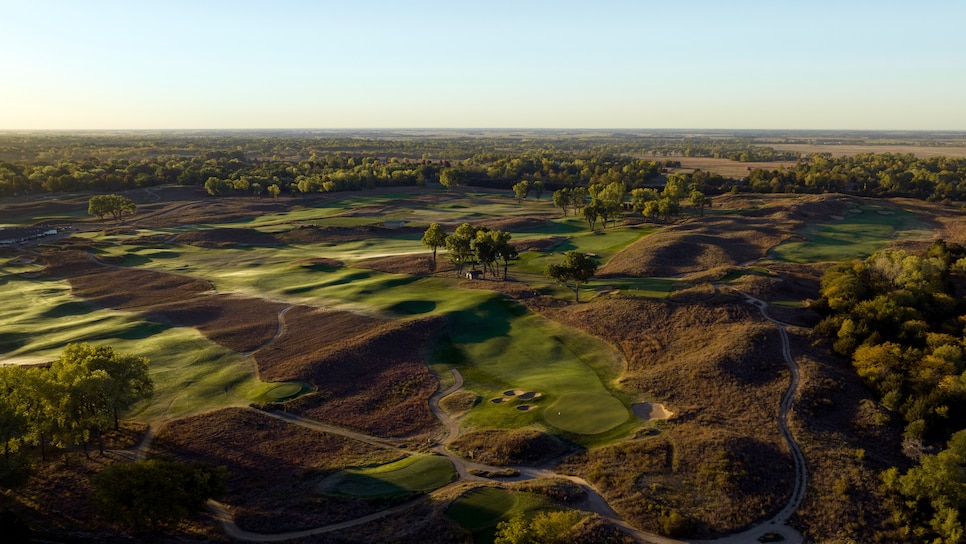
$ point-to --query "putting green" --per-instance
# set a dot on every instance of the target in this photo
(414, 474)
(586, 413)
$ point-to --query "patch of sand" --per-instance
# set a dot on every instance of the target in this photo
(513, 392)
(837, 217)
(650, 411)
(524, 407)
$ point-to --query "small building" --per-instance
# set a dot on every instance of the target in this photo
(474, 275)
(18, 235)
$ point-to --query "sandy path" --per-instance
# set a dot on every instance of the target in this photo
(280, 329)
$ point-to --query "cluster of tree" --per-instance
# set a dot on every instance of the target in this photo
(576, 270)
(472, 245)
(156, 494)
(554, 527)
(561, 168)
(900, 318)
(868, 174)
(609, 202)
(523, 189)
(114, 205)
(71, 402)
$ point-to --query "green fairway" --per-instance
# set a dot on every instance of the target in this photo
(415, 474)
(586, 413)
(856, 236)
(39, 316)
(479, 510)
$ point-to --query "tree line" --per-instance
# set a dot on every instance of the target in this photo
(69, 403)
(899, 318)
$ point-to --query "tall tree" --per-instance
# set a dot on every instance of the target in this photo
(115, 205)
(460, 245)
(434, 238)
(521, 190)
(504, 250)
(576, 270)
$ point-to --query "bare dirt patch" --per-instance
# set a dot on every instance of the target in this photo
(538, 244)
(651, 411)
(274, 466)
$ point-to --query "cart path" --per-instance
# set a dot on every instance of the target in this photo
(468, 470)
(280, 329)
(778, 524)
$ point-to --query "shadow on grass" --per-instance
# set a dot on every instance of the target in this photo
(485, 321)
(413, 307)
(68, 309)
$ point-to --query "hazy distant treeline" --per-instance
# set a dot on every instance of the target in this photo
(42, 163)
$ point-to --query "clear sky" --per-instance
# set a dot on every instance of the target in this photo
(141, 64)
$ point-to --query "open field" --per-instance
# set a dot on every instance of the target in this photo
(318, 309)
(841, 150)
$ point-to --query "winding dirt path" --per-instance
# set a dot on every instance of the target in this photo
(778, 524)
(468, 471)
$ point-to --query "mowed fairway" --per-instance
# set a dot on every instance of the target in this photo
(39, 316)
(479, 510)
(497, 343)
(859, 234)
(418, 473)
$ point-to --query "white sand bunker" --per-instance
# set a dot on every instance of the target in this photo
(530, 395)
(513, 392)
(524, 407)
(650, 411)
(496, 400)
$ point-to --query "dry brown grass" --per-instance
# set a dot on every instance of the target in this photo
(508, 447)
(274, 466)
(696, 245)
(699, 244)
(414, 265)
(725, 167)
(719, 368)
(848, 440)
(922, 152)
(370, 374)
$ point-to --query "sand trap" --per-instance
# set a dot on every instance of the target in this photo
(496, 401)
(837, 217)
(855, 210)
(513, 392)
(650, 411)
(530, 395)
(885, 212)
(524, 407)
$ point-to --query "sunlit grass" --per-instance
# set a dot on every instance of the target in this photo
(39, 316)
(856, 236)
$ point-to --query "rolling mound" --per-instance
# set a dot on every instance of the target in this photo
(721, 368)
(273, 466)
(697, 245)
(237, 323)
(370, 374)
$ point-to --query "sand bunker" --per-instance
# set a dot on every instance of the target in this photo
(513, 392)
(650, 411)
(524, 407)
(496, 400)
(530, 395)
(837, 217)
